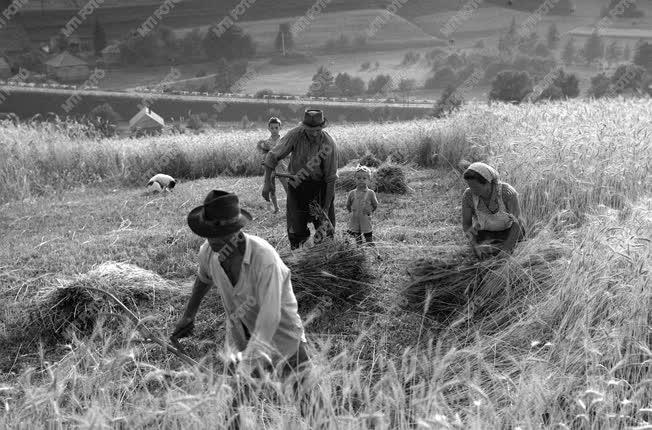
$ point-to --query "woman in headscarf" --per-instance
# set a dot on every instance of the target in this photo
(491, 216)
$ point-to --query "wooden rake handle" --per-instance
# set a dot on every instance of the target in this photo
(285, 175)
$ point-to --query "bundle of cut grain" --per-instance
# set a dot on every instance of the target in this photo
(443, 287)
(75, 306)
(326, 229)
(369, 160)
(338, 270)
(391, 179)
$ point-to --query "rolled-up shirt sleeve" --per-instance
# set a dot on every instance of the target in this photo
(203, 273)
(330, 160)
(281, 150)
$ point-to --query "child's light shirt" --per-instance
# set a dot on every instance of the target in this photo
(262, 300)
(361, 204)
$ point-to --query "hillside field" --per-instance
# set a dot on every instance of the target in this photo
(566, 347)
(493, 18)
(43, 20)
(297, 79)
(329, 25)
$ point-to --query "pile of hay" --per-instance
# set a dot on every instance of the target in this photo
(444, 287)
(388, 178)
(391, 179)
(58, 312)
(334, 269)
(370, 160)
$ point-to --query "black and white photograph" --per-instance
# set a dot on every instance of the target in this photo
(326, 214)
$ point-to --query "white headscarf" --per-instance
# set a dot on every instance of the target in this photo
(486, 171)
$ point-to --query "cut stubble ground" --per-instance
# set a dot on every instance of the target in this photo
(65, 235)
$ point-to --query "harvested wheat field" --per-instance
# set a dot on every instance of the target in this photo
(94, 275)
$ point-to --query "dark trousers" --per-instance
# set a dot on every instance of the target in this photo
(298, 214)
(493, 236)
(368, 237)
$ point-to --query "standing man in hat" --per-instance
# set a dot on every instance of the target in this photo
(313, 166)
(262, 321)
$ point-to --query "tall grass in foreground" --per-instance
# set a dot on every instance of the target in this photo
(576, 356)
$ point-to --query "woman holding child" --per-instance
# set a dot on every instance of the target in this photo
(491, 215)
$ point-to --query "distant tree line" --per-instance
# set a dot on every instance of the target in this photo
(161, 45)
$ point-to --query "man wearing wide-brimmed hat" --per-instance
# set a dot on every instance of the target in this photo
(313, 167)
(261, 310)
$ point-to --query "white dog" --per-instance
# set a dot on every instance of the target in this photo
(161, 182)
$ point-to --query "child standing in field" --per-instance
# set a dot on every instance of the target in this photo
(264, 146)
(361, 203)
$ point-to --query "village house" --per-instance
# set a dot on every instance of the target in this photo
(146, 121)
(111, 55)
(621, 35)
(65, 67)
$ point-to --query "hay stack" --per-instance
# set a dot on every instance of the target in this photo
(444, 287)
(346, 179)
(370, 160)
(388, 178)
(57, 312)
(334, 269)
(391, 179)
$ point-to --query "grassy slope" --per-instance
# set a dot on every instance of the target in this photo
(331, 24)
(383, 47)
(586, 321)
(582, 7)
(296, 79)
(489, 21)
(120, 20)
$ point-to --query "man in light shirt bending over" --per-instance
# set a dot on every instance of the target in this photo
(255, 285)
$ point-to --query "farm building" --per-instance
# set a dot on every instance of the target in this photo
(111, 54)
(5, 69)
(618, 34)
(67, 68)
(146, 120)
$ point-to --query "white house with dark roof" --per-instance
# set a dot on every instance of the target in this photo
(146, 119)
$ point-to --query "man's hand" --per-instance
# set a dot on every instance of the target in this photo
(251, 362)
(484, 251)
(501, 251)
(244, 368)
(267, 188)
(183, 328)
(472, 235)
